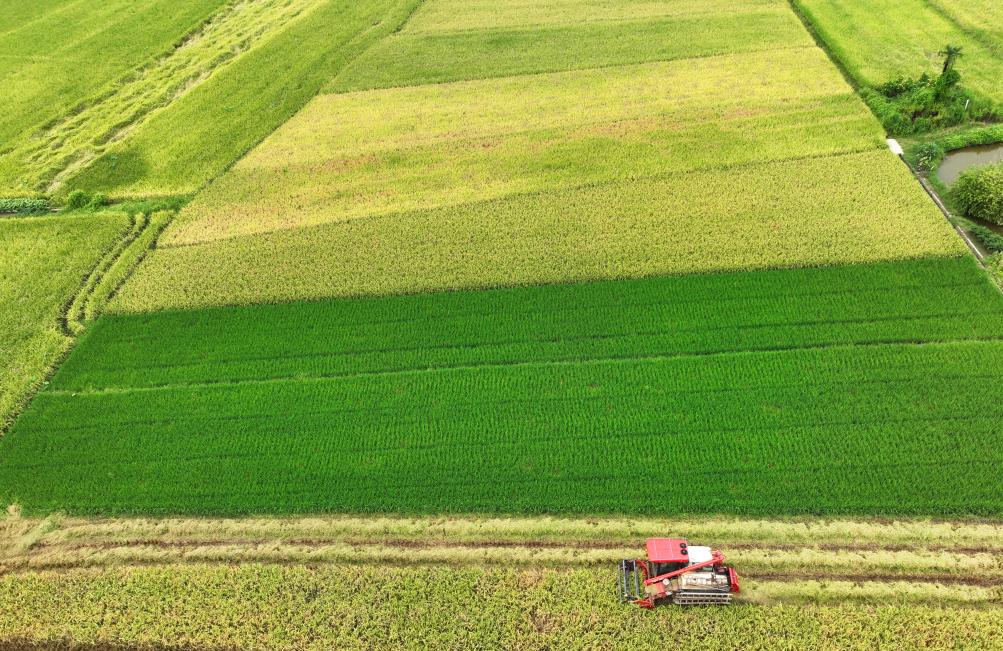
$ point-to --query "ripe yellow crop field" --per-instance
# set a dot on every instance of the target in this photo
(786, 214)
(377, 153)
(717, 163)
(464, 582)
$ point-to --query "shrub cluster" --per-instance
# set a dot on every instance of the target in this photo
(24, 206)
(80, 200)
(990, 239)
(978, 193)
(907, 106)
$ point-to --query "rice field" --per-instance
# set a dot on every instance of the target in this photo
(535, 582)
(43, 263)
(595, 270)
(444, 187)
(415, 57)
(507, 402)
(362, 155)
(797, 217)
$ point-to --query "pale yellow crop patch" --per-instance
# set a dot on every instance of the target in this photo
(382, 152)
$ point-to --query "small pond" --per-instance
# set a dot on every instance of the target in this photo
(959, 160)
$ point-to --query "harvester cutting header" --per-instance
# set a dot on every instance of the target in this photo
(677, 573)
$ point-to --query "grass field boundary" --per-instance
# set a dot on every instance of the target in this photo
(814, 30)
(71, 320)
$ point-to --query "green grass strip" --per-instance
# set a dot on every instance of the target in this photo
(408, 59)
(761, 393)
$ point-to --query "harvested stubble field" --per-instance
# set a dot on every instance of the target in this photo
(535, 399)
(536, 583)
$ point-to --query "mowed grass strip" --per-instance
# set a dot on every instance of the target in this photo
(370, 153)
(764, 433)
(926, 300)
(179, 150)
(881, 40)
(831, 210)
(408, 59)
(43, 262)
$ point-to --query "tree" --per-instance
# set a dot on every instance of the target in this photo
(951, 53)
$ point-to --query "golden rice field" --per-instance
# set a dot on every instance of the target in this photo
(764, 160)
(749, 277)
(460, 582)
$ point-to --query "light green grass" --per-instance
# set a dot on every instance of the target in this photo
(382, 152)
(43, 262)
(981, 18)
(454, 15)
(40, 162)
(406, 59)
(178, 150)
(880, 40)
(57, 60)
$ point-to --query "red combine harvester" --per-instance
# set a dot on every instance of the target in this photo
(677, 573)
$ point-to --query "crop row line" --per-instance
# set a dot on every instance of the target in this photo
(453, 445)
(527, 364)
(209, 359)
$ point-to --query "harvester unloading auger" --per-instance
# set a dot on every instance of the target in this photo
(677, 573)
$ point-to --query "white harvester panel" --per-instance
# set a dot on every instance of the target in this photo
(699, 554)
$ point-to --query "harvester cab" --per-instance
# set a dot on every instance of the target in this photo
(676, 572)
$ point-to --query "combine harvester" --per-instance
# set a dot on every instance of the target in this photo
(677, 573)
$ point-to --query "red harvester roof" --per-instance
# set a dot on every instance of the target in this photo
(667, 550)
